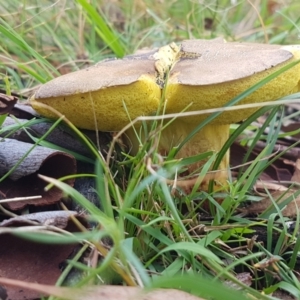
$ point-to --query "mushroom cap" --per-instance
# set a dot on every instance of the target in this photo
(210, 62)
(216, 72)
(206, 74)
(107, 93)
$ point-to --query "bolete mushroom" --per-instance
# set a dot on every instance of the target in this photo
(199, 74)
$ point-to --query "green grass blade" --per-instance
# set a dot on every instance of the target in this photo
(107, 34)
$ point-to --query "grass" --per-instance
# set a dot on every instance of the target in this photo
(156, 237)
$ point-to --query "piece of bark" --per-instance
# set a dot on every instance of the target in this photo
(60, 135)
(86, 186)
(12, 151)
(23, 110)
(57, 218)
(23, 182)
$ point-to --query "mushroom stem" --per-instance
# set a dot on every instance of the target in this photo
(212, 137)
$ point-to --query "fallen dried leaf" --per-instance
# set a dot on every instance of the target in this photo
(23, 181)
(296, 165)
(244, 277)
(260, 206)
(293, 126)
(7, 103)
(278, 171)
(102, 292)
(32, 261)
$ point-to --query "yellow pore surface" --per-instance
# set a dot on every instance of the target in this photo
(105, 106)
(179, 96)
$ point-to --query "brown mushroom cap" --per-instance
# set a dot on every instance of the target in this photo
(211, 62)
(206, 74)
(105, 90)
(220, 71)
